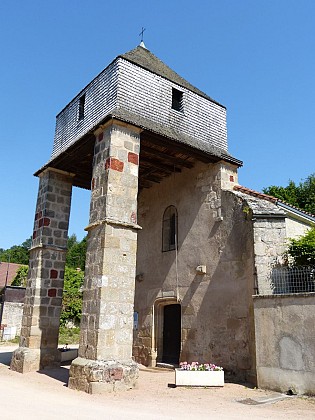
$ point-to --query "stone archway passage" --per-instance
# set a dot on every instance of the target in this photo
(171, 333)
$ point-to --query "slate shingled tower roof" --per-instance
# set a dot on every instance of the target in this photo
(144, 58)
(137, 88)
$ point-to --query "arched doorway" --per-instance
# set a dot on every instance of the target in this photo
(171, 333)
(167, 322)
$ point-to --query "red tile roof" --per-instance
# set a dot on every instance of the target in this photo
(256, 193)
(270, 198)
(11, 268)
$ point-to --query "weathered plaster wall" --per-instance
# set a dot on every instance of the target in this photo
(216, 306)
(12, 315)
(296, 228)
(285, 342)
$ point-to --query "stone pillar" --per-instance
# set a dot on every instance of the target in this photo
(105, 353)
(42, 307)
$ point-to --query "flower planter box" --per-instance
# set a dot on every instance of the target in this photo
(68, 355)
(199, 378)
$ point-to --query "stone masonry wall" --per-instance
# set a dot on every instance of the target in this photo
(41, 315)
(108, 296)
(269, 245)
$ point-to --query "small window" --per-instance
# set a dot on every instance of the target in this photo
(177, 100)
(81, 107)
(169, 229)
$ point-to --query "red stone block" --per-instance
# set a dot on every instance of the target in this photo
(53, 274)
(133, 217)
(116, 374)
(231, 178)
(133, 158)
(34, 234)
(52, 292)
(46, 221)
(100, 137)
(115, 164)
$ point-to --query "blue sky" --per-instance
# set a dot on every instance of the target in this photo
(254, 56)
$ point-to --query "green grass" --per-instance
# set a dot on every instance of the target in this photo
(15, 340)
(66, 336)
(69, 335)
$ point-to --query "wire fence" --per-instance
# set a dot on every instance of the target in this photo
(286, 280)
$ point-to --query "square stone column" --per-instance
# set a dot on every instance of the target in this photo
(105, 353)
(42, 307)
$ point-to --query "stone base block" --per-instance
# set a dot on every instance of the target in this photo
(99, 376)
(26, 360)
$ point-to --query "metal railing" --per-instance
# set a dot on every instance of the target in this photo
(286, 280)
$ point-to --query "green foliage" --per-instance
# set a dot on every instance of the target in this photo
(17, 253)
(21, 276)
(302, 195)
(69, 335)
(27, 243)
(72, 296)
(76, 253)
(302, 250)
(73, 280)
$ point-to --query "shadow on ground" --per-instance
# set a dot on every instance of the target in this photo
(59, 374)
(5, 358)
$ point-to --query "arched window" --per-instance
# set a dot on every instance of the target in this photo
(169, 229)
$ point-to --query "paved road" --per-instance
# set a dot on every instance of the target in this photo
(45, 396)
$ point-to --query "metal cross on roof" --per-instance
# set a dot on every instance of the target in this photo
(141, 33)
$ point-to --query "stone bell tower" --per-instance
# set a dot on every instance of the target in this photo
(132, 126)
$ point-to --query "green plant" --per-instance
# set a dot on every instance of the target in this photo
(302, 250)
(72, 296)
(69, 335)
(301, 195)
(21, 277)
(76, 252)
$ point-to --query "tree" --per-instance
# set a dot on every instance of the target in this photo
(16, 254)
(72, 296)
(21, 277)
(302, 250)
(302, 195)
(72, 292)
(76, 253)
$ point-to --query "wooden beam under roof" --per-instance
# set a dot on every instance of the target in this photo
(148, 163)
(179, 148)
(146, 151)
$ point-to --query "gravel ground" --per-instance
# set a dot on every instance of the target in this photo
(44, 395)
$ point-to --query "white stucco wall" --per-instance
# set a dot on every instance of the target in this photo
(296, 227)
(285, 342)
(12, 315)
